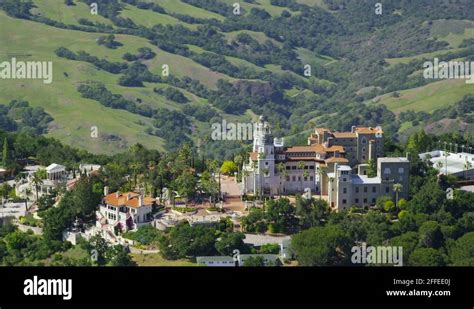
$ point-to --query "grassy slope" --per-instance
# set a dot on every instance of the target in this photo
(73, 115)
(56, 10)
(429, 97)
(309, 57)
(258, 36)
(453, 31)
(395, 61)
(260, 4)
(442, 93)
(319, 3)
(178, 7)
(149, 18)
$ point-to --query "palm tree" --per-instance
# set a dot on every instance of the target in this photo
(321, 173)
(214, 169)
(135, 166)
(439, 165)
(37, 181)
(446, 155)
(239, 160)
(397, 188)
(305, 174)
(28, 193)
(467, 166)
(300, 168)
(283, 173)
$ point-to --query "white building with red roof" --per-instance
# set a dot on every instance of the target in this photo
(124, 211)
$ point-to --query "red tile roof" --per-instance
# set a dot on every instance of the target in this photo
(336, 160)
(128, 199)
(313, 148)
(368, 130)
(344, 135)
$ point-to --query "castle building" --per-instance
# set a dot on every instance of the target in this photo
(361, 144)
(333, 164)
(273, 169)
(347, 189)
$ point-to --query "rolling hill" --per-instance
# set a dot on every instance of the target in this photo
(229, 66)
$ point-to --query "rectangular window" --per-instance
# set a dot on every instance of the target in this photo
(356, 201)
(344, 190)
(374, 189)
(357, 189)
(344, 201)
(365, 189)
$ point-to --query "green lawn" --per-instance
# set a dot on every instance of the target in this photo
(156, 259)
(77, 253)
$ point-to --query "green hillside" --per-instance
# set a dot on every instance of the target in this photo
(427, 98)
(108, 68)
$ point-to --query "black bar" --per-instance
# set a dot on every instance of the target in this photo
(214, 285)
